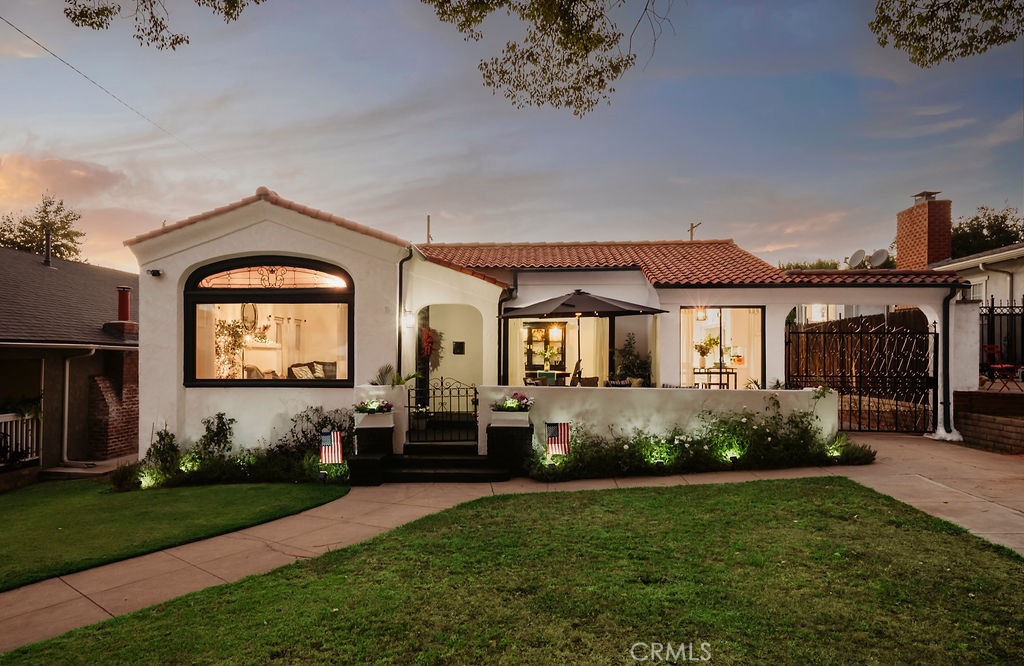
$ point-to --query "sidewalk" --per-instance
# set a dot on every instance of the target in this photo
(981, 491)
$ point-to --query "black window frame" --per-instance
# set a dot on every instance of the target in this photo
(195, 295)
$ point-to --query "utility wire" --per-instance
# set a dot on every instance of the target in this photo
(85, 76)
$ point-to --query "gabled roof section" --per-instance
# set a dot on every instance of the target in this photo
(663, 263)
(1005, 253)
(874, 277)
(264, 194)
(64, 303)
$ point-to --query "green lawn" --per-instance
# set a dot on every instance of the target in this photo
(54, 528)
(808, 571)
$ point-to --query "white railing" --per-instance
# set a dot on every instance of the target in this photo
(19, 439)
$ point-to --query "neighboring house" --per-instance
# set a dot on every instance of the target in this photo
(264, 306)
(996, 276)
(68, 355)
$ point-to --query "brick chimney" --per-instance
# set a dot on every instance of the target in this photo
(123, 327)
(924, 232)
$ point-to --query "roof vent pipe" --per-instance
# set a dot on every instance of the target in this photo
(124, 303)
(47, 244)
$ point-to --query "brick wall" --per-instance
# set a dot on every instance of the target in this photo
(114, 409)
(924, 234)
(990, 421)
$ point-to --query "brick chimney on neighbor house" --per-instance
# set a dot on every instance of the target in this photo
(924, 232)
(123, 327)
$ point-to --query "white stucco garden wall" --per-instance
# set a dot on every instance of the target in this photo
(259, 228)
(620, 411)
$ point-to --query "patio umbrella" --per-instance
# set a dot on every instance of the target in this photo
(583, 304)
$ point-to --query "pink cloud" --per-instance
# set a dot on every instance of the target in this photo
(24, 178)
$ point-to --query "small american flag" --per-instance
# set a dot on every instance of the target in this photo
(330, 447)
(558, 439)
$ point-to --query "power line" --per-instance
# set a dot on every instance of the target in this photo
(85, 76)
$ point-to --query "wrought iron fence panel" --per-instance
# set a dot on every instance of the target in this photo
(1003, 326)
(885, 377)
(442, 410)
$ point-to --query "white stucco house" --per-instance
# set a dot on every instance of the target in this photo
(996, 276)
(263, 307)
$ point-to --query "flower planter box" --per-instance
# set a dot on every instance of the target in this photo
(510, 419)
(379, 420)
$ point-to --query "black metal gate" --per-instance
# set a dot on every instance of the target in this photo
(442, 410)
(885, 377)
(1002, 325)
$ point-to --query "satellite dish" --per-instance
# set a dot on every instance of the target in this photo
(878, 258)
(856, 259)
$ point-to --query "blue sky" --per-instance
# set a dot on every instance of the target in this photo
(782, 125)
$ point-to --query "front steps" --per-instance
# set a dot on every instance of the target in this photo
(454, 462)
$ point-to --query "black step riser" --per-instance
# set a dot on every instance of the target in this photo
(441, 449)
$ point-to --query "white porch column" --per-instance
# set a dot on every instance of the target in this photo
(668, 342)
(775, 342)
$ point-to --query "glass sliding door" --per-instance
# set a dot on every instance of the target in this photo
(722, 347)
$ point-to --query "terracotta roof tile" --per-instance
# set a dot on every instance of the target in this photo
(873, 277)
(663, 263)
(264, 194)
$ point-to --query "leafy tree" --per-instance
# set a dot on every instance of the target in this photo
(151, 27)
(574, 51)
(931, 31)
(28, 232)
(987, 229)
(817, 264)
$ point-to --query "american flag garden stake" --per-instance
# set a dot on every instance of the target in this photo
(558, 439)
(330, 447)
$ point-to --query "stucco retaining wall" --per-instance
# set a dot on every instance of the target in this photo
(620, 411)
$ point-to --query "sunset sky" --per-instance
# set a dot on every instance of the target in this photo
(782, 125)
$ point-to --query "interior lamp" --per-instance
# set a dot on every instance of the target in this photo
(555, 334)
(702, 314)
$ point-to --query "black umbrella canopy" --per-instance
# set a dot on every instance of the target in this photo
(580, 303)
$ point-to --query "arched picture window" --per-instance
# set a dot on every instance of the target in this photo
(269, 321)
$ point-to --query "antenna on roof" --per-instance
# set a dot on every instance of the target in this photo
(692, 227)
(429, 237)
(878, 258)
(855, 260)
(47, 245)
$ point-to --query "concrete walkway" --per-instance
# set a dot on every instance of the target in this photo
(981, 491)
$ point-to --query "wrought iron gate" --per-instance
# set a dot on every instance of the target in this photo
(442, 410)
(885, 378)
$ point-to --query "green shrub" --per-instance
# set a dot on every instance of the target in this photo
(738, 440)
(164, 455)
(304, 435)
(216, 441)
(851, 453)
(126, 477)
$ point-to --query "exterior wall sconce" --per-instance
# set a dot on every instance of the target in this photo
(155, 272)
(408, 319)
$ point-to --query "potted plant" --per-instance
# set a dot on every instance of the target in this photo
(548, 354)
(705, 347)
(374, 413)
(511, 410)
(418, 417)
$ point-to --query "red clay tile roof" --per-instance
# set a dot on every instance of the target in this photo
(663, 263)
(873, 277)
(264, 194)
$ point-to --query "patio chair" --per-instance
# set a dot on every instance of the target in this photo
(1005, 373)
(576, 373)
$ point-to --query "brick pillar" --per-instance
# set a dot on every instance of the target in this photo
(114, 410)
(924, 232)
